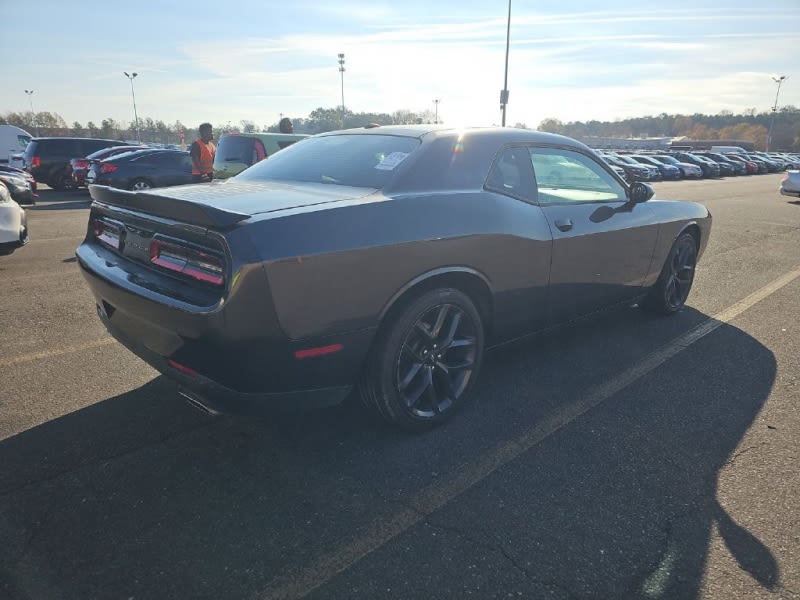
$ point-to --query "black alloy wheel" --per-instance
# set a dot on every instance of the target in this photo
(426, 361)
(140, 184)
(670, 292)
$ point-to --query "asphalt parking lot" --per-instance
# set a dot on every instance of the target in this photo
(624, 456)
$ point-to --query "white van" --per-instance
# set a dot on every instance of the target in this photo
(13, 140)
(728, 149)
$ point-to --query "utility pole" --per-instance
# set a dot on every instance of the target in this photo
(436, 111)
(341, 71)
(33, 114)
(131, 77)
(779, 81)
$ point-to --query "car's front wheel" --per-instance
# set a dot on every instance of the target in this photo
(426, 360)
(670, 292)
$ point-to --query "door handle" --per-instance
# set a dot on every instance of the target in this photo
(564, 224)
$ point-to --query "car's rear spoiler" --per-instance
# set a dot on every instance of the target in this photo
(166, 206)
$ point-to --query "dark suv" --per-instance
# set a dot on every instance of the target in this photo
(47, 159)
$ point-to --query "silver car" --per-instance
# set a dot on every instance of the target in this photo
(790, 185)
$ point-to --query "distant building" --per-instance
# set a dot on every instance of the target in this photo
(660, 143)
(689, 144)
(612, 143)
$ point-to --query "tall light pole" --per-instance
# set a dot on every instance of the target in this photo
(341, 71)
(131, 77)
(779, 81)
(436, 110)
(33, 114)
(504, 91)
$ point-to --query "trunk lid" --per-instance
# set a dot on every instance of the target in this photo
(222, 205)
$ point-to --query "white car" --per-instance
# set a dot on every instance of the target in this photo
(790, 185)
(13, 223)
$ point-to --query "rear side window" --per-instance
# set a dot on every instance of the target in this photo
(170, 160)
(511, 174)
(89, 146)
(30, 150)
(63, 148)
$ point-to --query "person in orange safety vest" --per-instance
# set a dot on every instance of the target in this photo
(202, 153)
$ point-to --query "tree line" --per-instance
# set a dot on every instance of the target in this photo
(49, 124)
(748, 126)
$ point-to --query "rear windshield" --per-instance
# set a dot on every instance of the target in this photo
(356, 160)
(236, 148)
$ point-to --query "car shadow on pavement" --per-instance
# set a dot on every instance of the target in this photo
(142, 496)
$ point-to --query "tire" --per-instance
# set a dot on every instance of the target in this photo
(56, 182)
(670, 292)
(425, 361)
(60, 181)
(140, 184)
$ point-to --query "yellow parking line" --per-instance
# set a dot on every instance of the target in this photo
(58, 352)
(299, 582)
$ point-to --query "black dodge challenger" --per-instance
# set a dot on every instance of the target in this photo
(385, 259)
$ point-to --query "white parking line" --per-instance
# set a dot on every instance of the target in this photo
(299, 582)
(58, 352)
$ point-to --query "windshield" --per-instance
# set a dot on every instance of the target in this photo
(666, 159)
(356, 160)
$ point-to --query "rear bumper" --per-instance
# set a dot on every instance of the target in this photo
(248, 369)
(793, 193)
(214, 398)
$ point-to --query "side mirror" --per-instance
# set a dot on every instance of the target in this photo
(641, 192)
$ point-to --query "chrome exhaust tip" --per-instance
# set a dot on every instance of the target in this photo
(198, 403)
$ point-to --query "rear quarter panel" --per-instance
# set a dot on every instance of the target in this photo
(337, 269)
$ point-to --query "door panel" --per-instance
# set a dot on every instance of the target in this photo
(602, 244)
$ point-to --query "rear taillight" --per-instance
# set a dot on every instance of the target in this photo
(106, 232)
(36, 161)
(187, 261)
(107, 168)
(80, 163)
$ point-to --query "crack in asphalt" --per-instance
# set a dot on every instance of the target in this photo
(736, 455)
(499, 548)
(99, 460)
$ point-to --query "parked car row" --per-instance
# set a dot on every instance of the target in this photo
(75, 162)
(63, 162)
(78, 167)
(674, 165)
(13, 223)
(20, 184)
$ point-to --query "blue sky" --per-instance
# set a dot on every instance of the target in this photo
(229, 61)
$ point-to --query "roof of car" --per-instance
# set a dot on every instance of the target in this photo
(511, 134)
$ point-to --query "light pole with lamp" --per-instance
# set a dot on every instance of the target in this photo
(341, 71)
(504, 91)
(436, 111)
(33, 114)
(779, 81)
(131, 77)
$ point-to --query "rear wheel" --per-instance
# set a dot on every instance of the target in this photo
(426, 360)
(670, 292)
(140, 184)
(56, 182)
